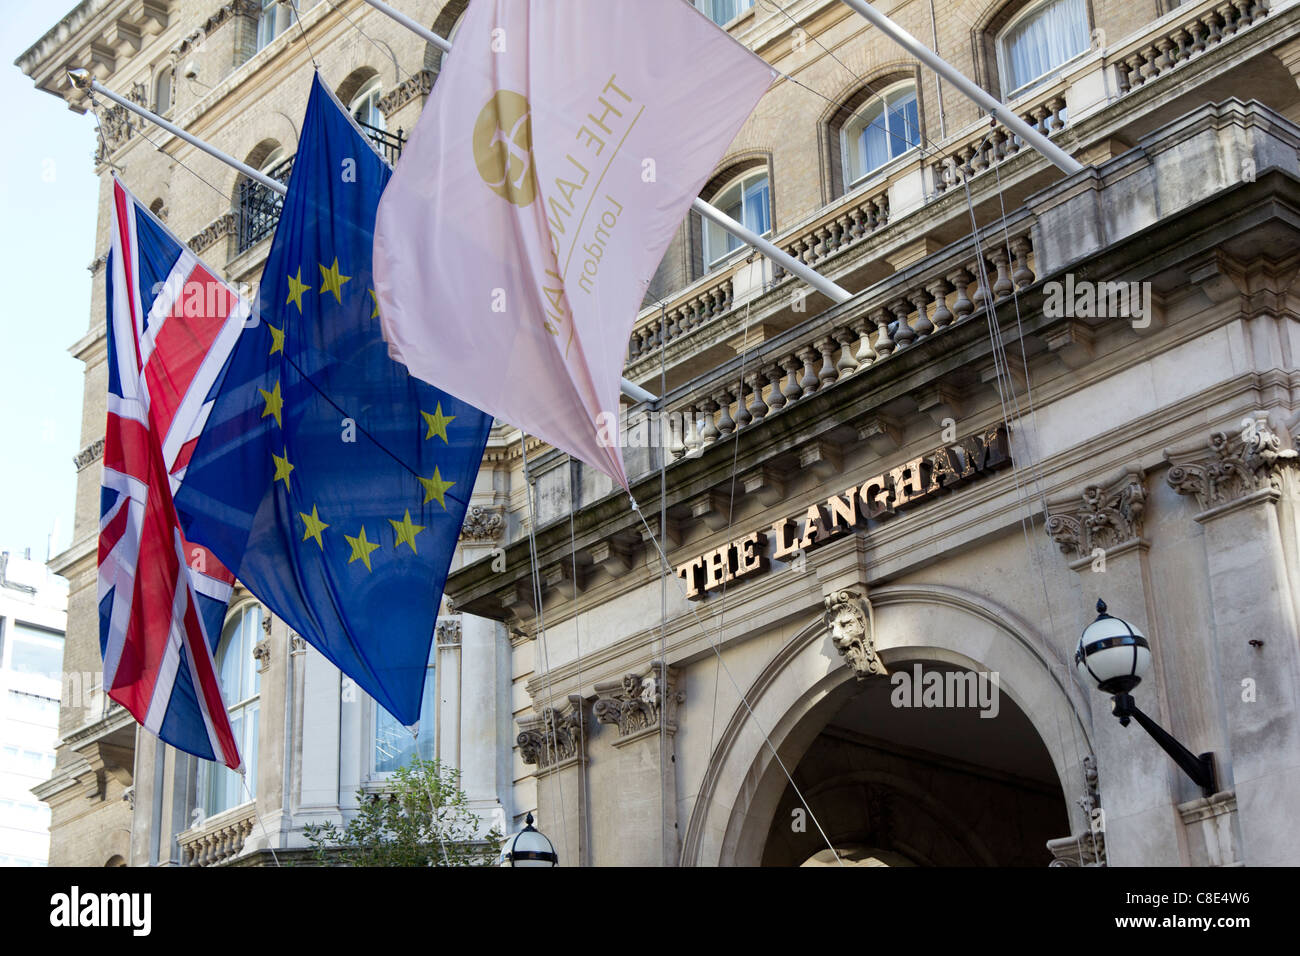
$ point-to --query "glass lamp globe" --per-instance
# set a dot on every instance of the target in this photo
(529, 847)
(1113, 653)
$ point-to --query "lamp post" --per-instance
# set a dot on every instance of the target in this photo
(1116, 655)
(529, 847)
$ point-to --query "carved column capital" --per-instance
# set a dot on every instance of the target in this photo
(848, 617)
(1231, 466)
(262, 654)
(1104, 516)
(637, 703)
(555, 736)
(483, 524)
(448, 633)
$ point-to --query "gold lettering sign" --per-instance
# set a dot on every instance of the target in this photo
(874, 500)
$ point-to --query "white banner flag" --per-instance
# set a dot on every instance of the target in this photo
(562, 147)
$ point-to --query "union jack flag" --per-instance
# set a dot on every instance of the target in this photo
(171, 326)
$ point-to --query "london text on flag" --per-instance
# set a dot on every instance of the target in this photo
(329, 479)
(561, 148)
(171, 326)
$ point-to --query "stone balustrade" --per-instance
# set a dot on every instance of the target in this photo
(900, 314)
(1203, 27)
(990, 147)
(208, 845)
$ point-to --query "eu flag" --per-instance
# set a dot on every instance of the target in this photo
(332, 483)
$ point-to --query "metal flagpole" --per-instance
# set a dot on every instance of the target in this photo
(998, 111)
(82, 80)
(789, 263)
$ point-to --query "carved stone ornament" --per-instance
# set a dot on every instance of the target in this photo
(1106, 516)
(482, 524)
(853, 633)
(417, 85)
(89, 455)
(1088, 848)
(553, 736)
(1231, 465)
(223, 225)
(637, 702)
(262, 654)
(448, 633)
(226, 12)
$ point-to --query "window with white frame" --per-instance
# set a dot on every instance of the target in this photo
(365, 105)
(1039, 40)
(274, 20)
(393, 745)
(885, 127)
(748, 200)
(723, 12)
(241, 683)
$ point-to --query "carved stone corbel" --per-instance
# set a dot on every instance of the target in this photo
(848, 617)
(1231, 466)
(483, 524)
(637, 703)
(1106, 517)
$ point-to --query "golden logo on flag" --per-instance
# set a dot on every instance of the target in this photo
(503, 147)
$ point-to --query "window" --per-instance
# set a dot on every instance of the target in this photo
(220, 786)
(746, 199)
(887, 126)
(394, 746)
(162, 91)
(34, 650)
(275, 19)
(1039, 40)
(259, 207)
(723, 12)
(365, 105)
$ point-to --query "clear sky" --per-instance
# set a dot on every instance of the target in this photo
(48, 193)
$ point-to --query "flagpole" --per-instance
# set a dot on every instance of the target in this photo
(789, 263)
(82, 80)
(982, 98)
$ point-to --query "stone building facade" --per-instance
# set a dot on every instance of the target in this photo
(884, 523)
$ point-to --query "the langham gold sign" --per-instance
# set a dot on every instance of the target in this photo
(859, 506)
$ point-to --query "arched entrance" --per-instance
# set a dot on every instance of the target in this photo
(929, 785)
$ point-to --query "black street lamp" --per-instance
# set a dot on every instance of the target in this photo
(1116, 655)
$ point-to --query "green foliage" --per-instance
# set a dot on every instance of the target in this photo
(420, 818)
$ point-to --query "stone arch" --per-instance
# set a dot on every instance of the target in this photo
(806, 682)
(845, 104)
(443, 25)
(353, 83)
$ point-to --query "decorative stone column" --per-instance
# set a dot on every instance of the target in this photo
(640, 776)
(555, 742)
(1244, 484)
(1100, 534)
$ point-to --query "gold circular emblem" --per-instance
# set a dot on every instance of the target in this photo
(503, 147)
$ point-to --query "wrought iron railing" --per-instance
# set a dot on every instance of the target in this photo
(390, 144)
(259, 206)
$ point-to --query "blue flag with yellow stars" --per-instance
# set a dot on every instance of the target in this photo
(327, 479)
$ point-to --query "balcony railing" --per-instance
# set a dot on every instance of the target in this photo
(259, 206)
(216, 841)
(390, 144)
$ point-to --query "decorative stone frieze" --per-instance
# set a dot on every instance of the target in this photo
(638, 702)
(1105, 516)
(89, 455)
(483, 524)
(418, 84)
(848, 617)
(219, 228)
(1232, 465)
(554, 736)
(225, 13)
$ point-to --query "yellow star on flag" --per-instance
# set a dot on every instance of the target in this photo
(282, 467)
(277, 339)
(361, 548)
(331, 281)
(374, 298)
(296, 289)
(438, 423)
(406, 531)
(314, 526)
(435, 487)
(274, 402)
